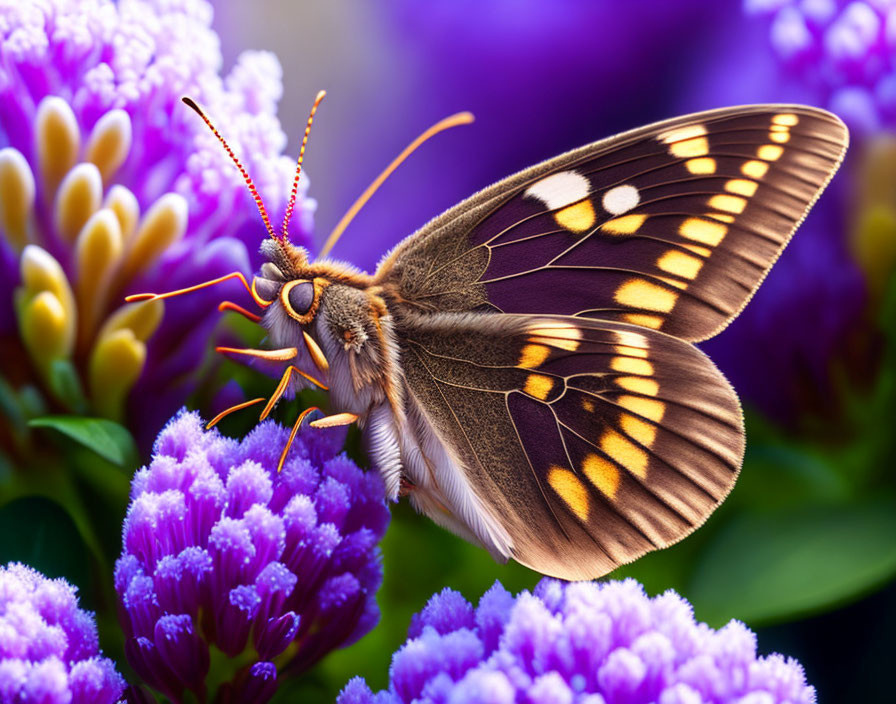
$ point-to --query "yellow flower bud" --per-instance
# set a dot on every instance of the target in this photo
(163, 225)
(44, 328)
(114, 367)
(97, 252)
(124, 204)
(874, 246)
(57, 139)
(16, 197)
(141, 319)
(41, 272)
(109, 142)
(80, 195)
(873, 227)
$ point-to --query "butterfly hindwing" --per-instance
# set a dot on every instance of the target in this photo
(670, 227)
(591, 443)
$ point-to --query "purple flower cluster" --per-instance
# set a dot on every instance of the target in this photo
(844, 49)
(49, 651)
(219, 550)
(581, 642)
(109, 185)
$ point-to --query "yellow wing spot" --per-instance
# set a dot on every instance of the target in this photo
(730, 204)
(697, 249)
(704, 231)
(741, 186)
(639, 293)
(560, 335)
(631, 351)
(698, 146)
(570, 488)
(648, 407)
(721, 217)
(780, 137)
(625, 452)
(630, 365)
(680, 133)
(577, 217)
(644, 320)
(588, 405)
(701, 165)
(680, 264)
(785, 118)
(770, 152)
(638, 385)
(637, 429)
(533, 356)
(602, 474)
(538, 386)
(626, 225)
(631, 339)
(754, 169)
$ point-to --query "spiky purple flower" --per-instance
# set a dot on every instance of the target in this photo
(49, 651)
(581, 642)
(844, 50)
(221, 552)
(109, 185)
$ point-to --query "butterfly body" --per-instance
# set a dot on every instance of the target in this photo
(523, 366)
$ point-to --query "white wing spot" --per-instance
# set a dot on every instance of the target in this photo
(621, 199)
(559, 190)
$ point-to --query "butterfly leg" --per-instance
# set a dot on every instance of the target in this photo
(259, 301)
(317, 354)
(292, 436)
(229, 305)
(334, 420)
(238, 407)
(281, 388)
(281, 355)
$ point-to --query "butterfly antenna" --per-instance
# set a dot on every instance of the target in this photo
(461, 118)
(295, 182)
(254, 191)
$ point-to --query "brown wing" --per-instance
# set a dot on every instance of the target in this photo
(670, 227)
(591, 443)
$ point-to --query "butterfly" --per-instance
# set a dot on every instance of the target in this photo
(523, 366)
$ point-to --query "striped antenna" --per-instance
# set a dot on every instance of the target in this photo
(295, 182)
(254, 191)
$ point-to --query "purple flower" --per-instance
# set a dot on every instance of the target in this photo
(49, 651)
(583, 642)
(220, 551)
(842, 50)
(109, 185)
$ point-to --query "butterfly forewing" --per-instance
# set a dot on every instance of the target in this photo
(590, 442)
(670, 227)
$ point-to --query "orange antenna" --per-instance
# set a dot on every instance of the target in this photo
(461, 118)
(254, 191)
(295, 182)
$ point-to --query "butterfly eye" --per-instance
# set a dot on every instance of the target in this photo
(297, 297)
(266, 288)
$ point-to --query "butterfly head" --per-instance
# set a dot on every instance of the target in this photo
(287, 282)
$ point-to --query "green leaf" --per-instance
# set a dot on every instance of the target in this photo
(39, 532)
(109, 440)
(65, 384)
(768, 567)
